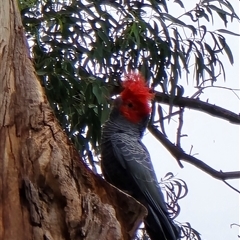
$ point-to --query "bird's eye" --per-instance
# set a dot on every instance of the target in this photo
(130, 105)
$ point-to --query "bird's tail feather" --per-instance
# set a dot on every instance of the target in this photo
(158, 229)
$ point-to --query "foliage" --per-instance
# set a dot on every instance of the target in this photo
(81, 49)
(23, 4)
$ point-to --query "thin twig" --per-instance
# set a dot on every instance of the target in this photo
(231, 187)
(161, 120)
(200, 90)
(170, 115)
(179, 130)
(179, 154)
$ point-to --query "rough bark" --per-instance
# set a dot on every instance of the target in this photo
(46, 191)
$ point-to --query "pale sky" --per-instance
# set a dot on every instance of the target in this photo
(210, 206)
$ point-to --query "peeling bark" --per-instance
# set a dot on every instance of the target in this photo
(46, 191)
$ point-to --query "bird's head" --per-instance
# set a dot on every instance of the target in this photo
(133, 102)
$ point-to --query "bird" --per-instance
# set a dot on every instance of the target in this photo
(125, 160)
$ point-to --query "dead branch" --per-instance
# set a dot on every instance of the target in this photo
(179, 154)
(199, 105)
(180, 125)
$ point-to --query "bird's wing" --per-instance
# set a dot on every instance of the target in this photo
(134, 157)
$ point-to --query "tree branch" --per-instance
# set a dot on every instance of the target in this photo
(179, 154)
(199, 105)
(236, 190)
(180, 125)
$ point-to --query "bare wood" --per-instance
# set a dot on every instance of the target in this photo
(46, 191)
(199, 105)
(179, 154)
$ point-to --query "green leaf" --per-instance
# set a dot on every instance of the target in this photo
(223, 17)
(219, 10)
(210, 12)
(226, 3)
(227, 32)
(179, 2)
(210, 51)
(105, 113)
(135, 31)
(97, 92)
(226, 49)
(104, 37)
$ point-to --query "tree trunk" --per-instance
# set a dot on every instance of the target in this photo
(46, 191)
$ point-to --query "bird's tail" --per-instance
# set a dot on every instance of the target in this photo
(161, 227)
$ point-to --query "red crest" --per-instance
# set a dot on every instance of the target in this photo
(135, 97)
